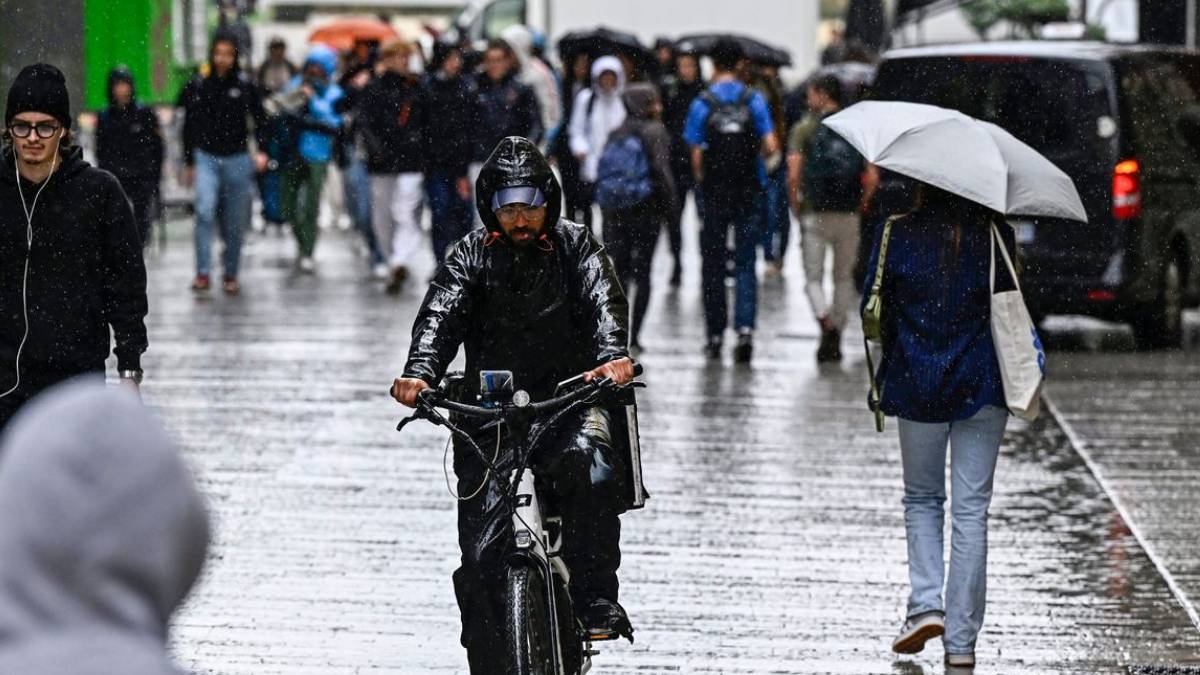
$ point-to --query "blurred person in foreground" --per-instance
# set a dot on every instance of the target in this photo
(129, 145)
(102, 535)
(71, 268)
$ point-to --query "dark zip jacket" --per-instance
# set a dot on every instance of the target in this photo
(448, 138)
(392, 118)
(86, 273)
(546, 312)
(128, 143)
(506, 108)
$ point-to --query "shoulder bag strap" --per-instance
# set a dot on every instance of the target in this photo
(875, 399)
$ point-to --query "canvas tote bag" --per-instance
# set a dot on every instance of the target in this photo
(1018, 348)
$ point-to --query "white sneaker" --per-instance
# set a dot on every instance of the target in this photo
(917, 630)
(381, 272)
(307, 265)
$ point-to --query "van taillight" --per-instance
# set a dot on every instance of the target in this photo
(1127, 190)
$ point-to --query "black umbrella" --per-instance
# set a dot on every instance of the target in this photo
(605, 41)
(754, 50)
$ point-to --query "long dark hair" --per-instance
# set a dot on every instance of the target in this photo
(950, 210)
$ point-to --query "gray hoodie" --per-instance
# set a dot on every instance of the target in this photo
(102, 534)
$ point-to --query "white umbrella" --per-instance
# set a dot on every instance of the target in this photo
(971, 158)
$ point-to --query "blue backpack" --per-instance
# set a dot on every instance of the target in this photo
(623, 177)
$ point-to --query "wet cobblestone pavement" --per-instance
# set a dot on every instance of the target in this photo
(773, 542)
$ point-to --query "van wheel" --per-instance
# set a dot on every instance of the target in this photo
(1160, 326)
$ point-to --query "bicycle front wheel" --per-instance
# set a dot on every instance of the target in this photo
(528, 639)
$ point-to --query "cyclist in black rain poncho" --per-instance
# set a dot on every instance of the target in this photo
(537, 295)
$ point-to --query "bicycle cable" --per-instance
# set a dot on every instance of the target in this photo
(486, 474)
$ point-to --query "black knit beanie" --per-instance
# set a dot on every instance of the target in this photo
(39, 88)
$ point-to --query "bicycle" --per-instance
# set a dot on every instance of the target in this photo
(543, 634)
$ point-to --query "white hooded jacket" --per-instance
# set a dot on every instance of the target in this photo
(536, 75)
(589, 133)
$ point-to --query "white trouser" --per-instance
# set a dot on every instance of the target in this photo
(395, 214)
(839, 231)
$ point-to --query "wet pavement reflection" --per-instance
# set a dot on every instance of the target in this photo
(773, 542)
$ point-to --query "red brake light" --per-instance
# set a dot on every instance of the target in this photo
(1127, 190)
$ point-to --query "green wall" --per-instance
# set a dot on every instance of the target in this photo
(138, 35)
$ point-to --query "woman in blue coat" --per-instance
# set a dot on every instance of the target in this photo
(939, 375)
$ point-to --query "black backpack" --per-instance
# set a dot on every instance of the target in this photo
(731, 159)
(832, 172)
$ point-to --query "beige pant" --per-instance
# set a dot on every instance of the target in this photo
(838, 231)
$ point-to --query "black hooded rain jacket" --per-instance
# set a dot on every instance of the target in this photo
(546, 312)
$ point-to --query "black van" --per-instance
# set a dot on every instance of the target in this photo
(1124, 123)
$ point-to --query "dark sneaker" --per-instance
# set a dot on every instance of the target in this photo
(396, 282)
(835, 345)
(744, 349)
(918, 630)
(606, 620)
(712, 349)
(828, 349)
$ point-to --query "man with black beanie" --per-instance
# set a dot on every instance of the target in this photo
(71, 262)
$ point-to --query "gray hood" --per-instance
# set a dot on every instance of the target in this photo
(102, 535)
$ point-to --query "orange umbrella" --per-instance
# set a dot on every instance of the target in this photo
(344, 33)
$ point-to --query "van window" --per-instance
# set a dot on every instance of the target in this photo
(500, 15)
(1054, 105)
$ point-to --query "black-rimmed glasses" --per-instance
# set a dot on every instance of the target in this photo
(43, 129)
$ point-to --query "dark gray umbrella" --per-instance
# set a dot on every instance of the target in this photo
(754, 50)
(603, 42)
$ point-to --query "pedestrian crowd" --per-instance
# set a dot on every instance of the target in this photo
(409, 130)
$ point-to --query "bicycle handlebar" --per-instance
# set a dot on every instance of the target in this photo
(433, 398)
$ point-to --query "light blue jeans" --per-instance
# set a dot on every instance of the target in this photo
(223, 192)
(974, 446)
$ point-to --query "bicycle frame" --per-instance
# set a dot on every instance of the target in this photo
(540, 545)
(537, 538)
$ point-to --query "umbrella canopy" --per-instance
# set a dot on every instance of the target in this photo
(973, 159)
(603, 42)
(755, 50)
(342, 34)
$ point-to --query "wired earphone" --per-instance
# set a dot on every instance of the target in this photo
(29, 211)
